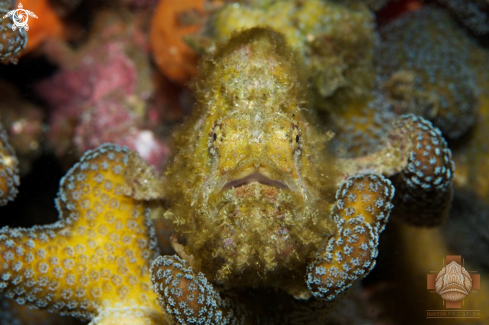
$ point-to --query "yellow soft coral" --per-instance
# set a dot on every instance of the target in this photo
(93, 262)
(361, 212)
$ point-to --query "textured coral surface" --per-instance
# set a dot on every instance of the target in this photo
(361, 213)
(12, 42)
(95, 260)
(9, 178)
(442, 85)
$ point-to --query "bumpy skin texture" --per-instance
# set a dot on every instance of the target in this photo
(250, 170)
(250, 194)
(425, 185)
(95, 261)
(9, 171)
(12, 43)
(361, 213)
(430, 74)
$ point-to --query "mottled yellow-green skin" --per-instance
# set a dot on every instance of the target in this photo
(251, 119)
(336, 39)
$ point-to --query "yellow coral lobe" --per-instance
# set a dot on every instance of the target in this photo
(9, 178)
(361, 212)
(250, 185)
(95, 260)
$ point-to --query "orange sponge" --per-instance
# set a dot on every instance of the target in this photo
(172, 55)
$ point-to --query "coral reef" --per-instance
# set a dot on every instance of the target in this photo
(338, 49)
(361, 126)
(415, 156)
(23, 122)
(94, 261)
(429, 74)
(12, 42)
(280, 182)
(100, 94)
(48, 27)
(472, 13)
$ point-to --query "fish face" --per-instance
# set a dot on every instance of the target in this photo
(257, 147)
(249, 191)
(257, 192)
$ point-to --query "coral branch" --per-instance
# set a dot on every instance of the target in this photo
(95, 260)
(12, 42)
(188, 298)
(9, 178)
(425, 185)
(361, 212)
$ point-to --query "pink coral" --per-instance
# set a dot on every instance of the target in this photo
(100, 94)
(99, 73)
(108, 120)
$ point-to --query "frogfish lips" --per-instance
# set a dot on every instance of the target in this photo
(255, 177)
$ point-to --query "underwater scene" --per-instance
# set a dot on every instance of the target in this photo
(244, 162)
